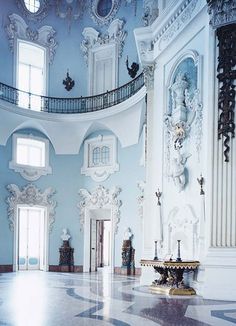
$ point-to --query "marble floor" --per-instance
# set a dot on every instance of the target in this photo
(63, 299)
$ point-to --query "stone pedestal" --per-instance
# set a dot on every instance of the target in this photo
(66, 261)
(128, 266)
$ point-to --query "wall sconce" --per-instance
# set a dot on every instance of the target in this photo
(68, 82)
(132, 71)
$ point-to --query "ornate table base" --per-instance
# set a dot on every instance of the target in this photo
(171, 276)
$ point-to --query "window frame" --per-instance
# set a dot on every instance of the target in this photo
(29, 172)
(17, 63)
(102, 171)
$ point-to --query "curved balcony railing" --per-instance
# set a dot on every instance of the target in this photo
(71, 105)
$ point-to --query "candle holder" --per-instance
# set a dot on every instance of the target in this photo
(201, 182)
(158, 194)
(155, 255)
(178, 254)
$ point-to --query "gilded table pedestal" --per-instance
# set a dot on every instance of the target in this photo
(171, 279)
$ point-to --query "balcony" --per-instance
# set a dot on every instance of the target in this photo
(71, 105)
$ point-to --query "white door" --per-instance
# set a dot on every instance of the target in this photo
(103, 80)
(31, 238)
(93, 249)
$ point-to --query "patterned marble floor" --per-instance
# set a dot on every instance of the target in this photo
(62, 299)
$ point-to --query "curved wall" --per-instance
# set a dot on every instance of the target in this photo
(66, 179)
(68, 53)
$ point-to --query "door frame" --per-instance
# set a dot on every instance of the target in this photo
(89, 215)
(16, 237)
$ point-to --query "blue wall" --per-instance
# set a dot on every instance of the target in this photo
(68, 53)
(66, 179)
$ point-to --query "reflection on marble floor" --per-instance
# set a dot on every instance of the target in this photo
(63, 299)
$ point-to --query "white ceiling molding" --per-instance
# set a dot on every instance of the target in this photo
(32, 196)
(18, 29)
(152, 40)
(101, 198)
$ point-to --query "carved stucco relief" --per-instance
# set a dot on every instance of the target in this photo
(183, 119)
(101, 198)
(92, 38)
(32, 196)
(44, 36)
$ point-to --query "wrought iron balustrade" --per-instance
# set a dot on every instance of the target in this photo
(71, 105)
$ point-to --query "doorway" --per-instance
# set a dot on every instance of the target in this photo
(103, 243)
(31, 238)
(99, 240)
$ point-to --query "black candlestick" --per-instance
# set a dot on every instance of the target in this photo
(178, 255)
(155, 257)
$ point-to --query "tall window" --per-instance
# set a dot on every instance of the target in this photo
(30, 74)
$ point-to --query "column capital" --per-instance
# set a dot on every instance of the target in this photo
(148, 71)
(221, 12)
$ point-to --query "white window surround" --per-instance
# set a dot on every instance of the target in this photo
(17, 29)
(35, 102)
(99, 47)
(28, 172)
(100, 172)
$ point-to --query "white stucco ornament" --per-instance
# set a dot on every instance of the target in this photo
(178, 170)
(32, 196)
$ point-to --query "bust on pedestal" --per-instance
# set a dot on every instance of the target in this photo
(66, 253)
(128, 266)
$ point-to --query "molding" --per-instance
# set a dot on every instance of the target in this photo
(101, 198)
(37, 16)
(30, 173)
(221, 12)
(29, 195)
(101, 172)
(166, 28)
(44, 36)
(93, 39)
(100, 20)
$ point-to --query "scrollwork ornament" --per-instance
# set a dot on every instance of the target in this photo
(32, 196)
(222, 12)
(92, 38)
(44, 36)
(101, 198)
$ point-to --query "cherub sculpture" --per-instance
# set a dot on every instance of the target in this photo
(178, 170)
